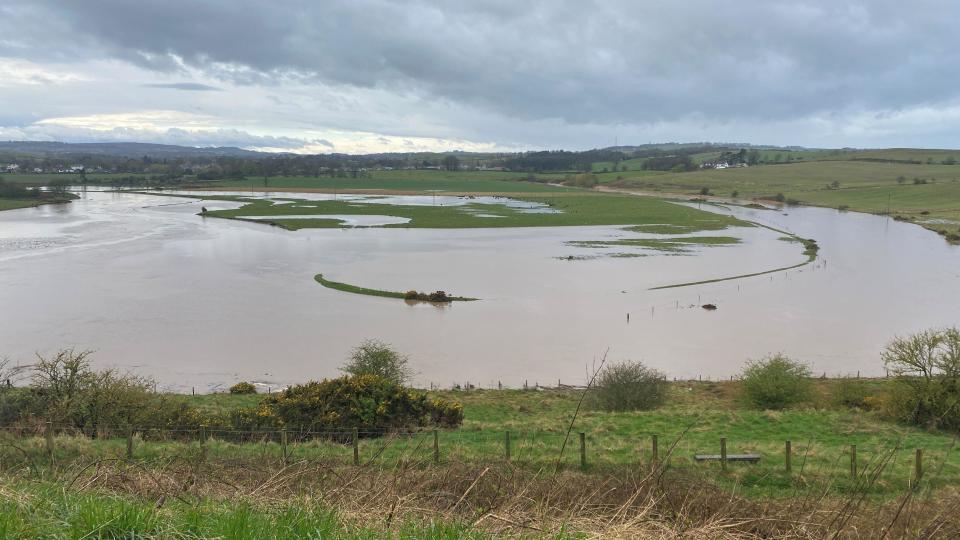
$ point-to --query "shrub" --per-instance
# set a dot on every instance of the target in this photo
(439, 296)
(850, 393)
(373, 357)
(629, 386)
(926, 387)
(243, 387)
(776, 382)
(411, 295)
(371, 404)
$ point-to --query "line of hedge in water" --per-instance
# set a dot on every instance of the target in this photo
(437, 296)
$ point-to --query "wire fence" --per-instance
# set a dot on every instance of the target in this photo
(891, 462)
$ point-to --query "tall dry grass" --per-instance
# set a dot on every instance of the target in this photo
(628, 502)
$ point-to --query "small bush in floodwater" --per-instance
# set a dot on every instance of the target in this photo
(439, 296)
(776, 382)
(629, 386)
(243, 387)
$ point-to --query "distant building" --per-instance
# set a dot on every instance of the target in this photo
(12, 168)
(715, 165)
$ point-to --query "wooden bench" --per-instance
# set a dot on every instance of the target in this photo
(749, 458)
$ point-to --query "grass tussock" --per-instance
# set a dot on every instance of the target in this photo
(197, 498)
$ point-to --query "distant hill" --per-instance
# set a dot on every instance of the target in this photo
(127, 150)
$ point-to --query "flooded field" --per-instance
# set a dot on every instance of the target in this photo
(203, 302)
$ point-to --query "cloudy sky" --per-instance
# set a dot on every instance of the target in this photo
(375, 75)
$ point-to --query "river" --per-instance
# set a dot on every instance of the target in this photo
(201, 303)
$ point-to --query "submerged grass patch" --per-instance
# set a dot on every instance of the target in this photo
(567, 209)
(669, 245)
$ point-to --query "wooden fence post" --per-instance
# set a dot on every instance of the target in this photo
(49, 436)
(583, 451)
(918, 467)
(506, 444)
(655, 448)
(436, 446)
(283, 445)
(853, 460)
(788, 455)
(723, 453)
(203, 442)
(356, 446)
(129, 443)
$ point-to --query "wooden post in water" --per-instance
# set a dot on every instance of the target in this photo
(436, 446)
(356, 446)
(917, 467)
(853, 460)
(583, 451)
(506, 445)
(788, 456)
(49, 435)
(723, 453)
(655, 450)
(283, 446)
(129, 443)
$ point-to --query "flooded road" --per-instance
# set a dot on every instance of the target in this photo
(203, 302)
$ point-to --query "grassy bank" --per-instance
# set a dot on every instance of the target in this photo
(13, 204)
(241, 486)
(927, 194)
(346, 287)
(697, 416)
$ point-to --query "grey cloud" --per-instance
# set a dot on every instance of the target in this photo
(196, 87)
(579, 62)
(211, 137)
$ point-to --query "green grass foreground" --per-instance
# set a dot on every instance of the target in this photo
(46, 510)
(346, 287)
(698, 414)
(240, 486)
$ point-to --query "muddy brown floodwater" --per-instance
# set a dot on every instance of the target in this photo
(155, 289)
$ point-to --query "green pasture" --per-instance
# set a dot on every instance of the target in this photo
(572, 209)
(408, 181)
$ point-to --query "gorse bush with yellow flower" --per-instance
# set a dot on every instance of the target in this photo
(369, 403)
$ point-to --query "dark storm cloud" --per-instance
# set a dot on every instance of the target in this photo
(194, 87)
(579, 61)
